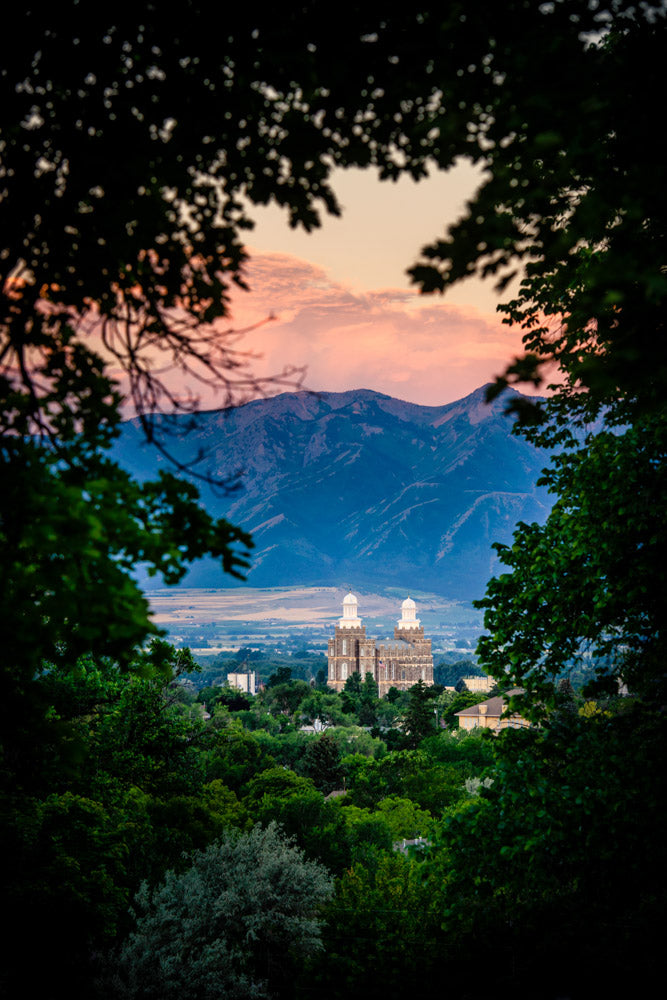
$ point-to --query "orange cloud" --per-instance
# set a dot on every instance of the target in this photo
(418, 348)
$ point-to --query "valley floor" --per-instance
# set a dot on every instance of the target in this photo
(215, 619)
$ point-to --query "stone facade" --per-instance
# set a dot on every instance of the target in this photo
(399, 662)
(476, 684)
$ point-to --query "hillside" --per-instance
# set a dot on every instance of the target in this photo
(358, 488)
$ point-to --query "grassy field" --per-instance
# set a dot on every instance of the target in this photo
(275, 617)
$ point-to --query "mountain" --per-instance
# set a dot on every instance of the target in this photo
(359, 489)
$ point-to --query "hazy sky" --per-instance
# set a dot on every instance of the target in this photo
(344, 306)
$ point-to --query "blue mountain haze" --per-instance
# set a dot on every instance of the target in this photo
(360, 489)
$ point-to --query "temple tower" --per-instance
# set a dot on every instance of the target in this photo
(349, 651)
(408, 658)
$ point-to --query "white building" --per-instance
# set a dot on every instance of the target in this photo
(246, 682)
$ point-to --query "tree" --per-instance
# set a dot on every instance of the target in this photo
(235, 756)
(322, 763)
(404, 817)
(382, 930)
(323, 707)
(368, 701)
(112, 791)
(283, 675)
(234, 924)
(353, 684)
(572, 827)
(419, 717)
(449, 673)
(232, 698)
(279, 795)
(285, 698)
(571, 194)
(589, 586)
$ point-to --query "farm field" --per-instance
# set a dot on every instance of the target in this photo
(217, 619)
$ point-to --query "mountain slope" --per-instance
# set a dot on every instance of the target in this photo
(360, 489)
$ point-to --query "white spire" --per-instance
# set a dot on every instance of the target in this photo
(350, 618)
(408, 615)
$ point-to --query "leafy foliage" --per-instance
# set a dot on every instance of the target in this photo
(571, 196)
(570, 180)
(419, 719)
(322, 761)
(590, 584)
(109, 790)
(382, 923)
(572, 827)
(231, 925)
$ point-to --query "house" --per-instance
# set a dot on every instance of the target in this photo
(489, 715)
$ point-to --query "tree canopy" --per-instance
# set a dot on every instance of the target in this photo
(134, 146)
(231, 925)
(588, 587)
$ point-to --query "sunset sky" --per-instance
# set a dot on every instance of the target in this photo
(344, 306)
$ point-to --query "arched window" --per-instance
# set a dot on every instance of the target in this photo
(343, 671)
(344, 647)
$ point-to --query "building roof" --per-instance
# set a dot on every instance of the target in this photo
(393, 641)
(494, 706)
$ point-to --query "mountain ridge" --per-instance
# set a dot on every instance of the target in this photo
(360, 488)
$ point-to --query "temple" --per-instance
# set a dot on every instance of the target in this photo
(399, 662)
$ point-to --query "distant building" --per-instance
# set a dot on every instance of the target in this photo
(246, 682)
(480, 685)
(399, 662)
(489, 715)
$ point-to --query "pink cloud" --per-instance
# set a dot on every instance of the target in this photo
(392, 340)
(419, 348)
